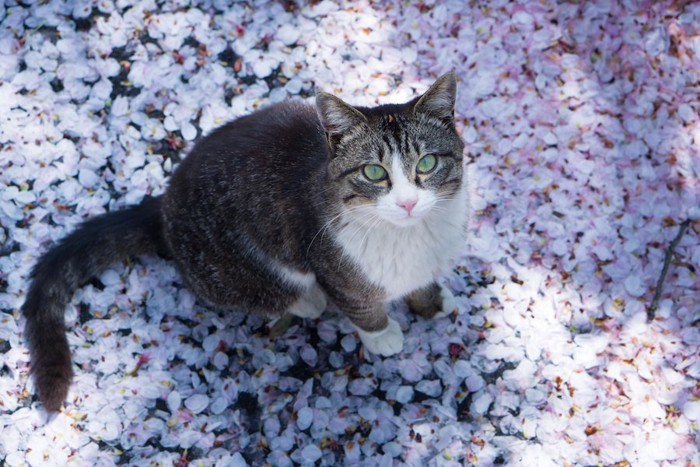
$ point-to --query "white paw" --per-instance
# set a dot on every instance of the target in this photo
(386, 342)
(310, 305)
(449, 303)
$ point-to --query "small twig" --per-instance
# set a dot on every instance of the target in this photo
(667, 261)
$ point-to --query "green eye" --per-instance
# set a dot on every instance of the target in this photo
(426, 164)
(374, 172)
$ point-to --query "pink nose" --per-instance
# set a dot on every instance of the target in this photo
(407, 205)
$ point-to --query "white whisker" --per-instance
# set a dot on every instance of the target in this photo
(328, 224)
(358, 229)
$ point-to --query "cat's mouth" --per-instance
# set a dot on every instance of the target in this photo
(401, 218)
(408, 221)
(382, 215)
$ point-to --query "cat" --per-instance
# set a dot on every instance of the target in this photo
(281, 211)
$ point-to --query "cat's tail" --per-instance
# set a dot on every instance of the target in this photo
(93, 246)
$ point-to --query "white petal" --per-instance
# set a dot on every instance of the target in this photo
(305, 416)
(197, 403)
(311, 453)
(188, 131)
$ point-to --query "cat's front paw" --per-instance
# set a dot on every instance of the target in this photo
(386, 342)
(449, 303)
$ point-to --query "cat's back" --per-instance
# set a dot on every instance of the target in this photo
(272, 137)
(258, 176)
(275, 148)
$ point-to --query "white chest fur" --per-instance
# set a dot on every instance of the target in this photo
(403, 259)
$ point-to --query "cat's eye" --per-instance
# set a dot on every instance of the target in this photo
(426, 164)
(374, 172)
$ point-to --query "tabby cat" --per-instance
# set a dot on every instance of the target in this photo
(279, 212)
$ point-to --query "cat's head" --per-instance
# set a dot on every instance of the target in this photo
(397, 162)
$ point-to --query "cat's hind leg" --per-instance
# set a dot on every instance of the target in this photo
(263, 286)
(311, 304)
(311, 300)
(432, 302)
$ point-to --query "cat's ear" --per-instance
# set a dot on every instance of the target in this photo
(337, 117)
(439, 100)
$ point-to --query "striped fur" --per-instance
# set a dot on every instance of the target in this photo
(272, 213)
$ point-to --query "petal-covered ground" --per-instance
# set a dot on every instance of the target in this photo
(576, 341)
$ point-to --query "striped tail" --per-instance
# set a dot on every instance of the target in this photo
(95, 245)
